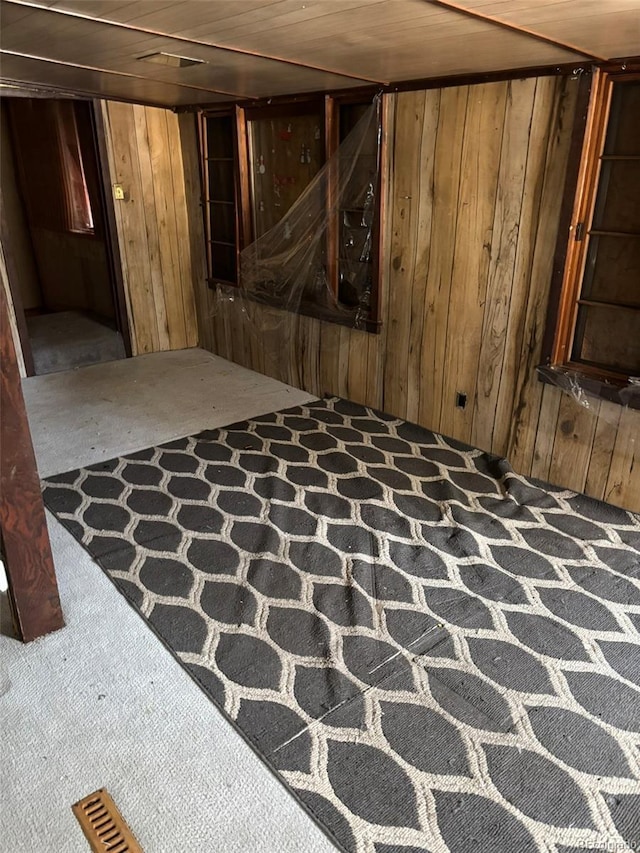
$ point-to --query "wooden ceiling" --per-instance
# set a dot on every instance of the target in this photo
(262, 48)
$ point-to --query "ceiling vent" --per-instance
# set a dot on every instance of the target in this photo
(172, 60)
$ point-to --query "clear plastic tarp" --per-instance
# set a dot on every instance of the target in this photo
(588, 391)
(317, 255)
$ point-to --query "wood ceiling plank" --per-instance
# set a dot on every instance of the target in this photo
(264, 19)
(84, 11)
(189, 91)
(363, 40)
(320, 19)
(129, 13)
(356, 41)
(172, 19)
(82, 41)
(423, 55)
(16, 25)
(100, 84)
(385, 32)
(506, 24)
(97, 8)
(550, 10)
(397, 40)
(317, 16)
(610, 29)
(23, 13)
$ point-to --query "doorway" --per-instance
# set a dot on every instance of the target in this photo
(65, 288)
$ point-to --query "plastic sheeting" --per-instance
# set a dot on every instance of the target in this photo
(588, 391)
(318, 258)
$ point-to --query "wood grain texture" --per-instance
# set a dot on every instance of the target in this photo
(556, 104)
(476, 186)
(191, 192)
(602, 449)
(545, 436)
(473, 241)
(157, 234)
(404, 245)
(11, 281)
(423, 224)
(33, 589)
(573, 443)
(552, 117)
(504, 244)
(623, 482)
(446, 188)
(515, 348)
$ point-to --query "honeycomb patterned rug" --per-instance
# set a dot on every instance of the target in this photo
(432, 652)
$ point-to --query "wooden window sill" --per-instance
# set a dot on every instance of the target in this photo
(343, 317)
(579, 380)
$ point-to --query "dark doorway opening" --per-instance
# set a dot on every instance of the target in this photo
(64, 280)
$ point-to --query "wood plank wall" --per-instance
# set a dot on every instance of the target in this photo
(145, 157)
(475, 189)
(15, 218)
(11, 313)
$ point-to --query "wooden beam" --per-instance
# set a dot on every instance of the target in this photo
(361, 93)
(109, 72)
(515, 28)
(33, 589)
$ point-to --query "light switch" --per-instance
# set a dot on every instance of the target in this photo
(118, 192)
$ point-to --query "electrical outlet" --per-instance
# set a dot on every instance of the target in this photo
(118, 192)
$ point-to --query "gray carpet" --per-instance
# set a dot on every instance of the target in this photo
(432, 652)
(66, 340)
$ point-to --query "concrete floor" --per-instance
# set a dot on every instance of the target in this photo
(101, 702)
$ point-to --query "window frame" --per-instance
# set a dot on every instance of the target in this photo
(206, 201)
(76, 189)
(590, 133)
(330, 106)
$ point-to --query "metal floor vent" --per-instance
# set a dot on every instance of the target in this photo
(103, 825)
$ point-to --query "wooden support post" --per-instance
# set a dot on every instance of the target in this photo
(33, 589)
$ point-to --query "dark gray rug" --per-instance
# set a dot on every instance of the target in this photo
(433, 653)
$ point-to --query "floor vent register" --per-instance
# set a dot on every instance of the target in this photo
(103, 825)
